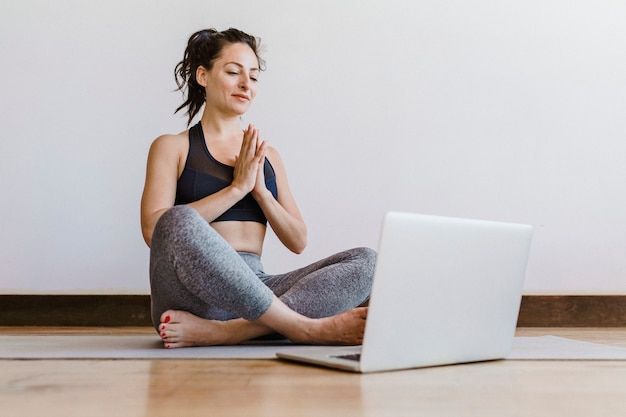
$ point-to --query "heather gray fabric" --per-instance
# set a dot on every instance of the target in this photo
(192, 268)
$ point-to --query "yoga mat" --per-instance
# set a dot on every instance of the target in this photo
(150, 347)
(125, 347)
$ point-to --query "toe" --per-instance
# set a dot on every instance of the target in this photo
(166, 317)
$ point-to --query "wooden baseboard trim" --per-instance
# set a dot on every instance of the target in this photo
(134, 310)
(75, 310)
(573, 311)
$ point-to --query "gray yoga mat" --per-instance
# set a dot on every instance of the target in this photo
(150, 347)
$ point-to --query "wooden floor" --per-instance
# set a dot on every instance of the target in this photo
(188, 388)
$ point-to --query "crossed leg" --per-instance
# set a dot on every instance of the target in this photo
(194, 305)
(181, 328)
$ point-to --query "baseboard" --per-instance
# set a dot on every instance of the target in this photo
(75, 310)
(134, 310)
(573, 311)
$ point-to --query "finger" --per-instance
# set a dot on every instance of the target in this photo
(250, 140)
(251, 132)
(261, 148)
(254, 136)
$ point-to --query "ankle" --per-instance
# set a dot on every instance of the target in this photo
(307, 331)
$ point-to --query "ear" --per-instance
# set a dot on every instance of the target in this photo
(202, 75)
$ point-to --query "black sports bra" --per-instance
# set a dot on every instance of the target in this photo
(204, 175)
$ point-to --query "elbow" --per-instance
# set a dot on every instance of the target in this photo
(148, 223)
(295, 243)
(298, 246)
(298, 249)
(146, 231)
(147, 236)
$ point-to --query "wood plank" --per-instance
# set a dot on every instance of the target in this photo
(197, 388)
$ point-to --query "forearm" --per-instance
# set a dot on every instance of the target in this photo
(148, 222)
(210, 208)
(214, 205)
(289, 228)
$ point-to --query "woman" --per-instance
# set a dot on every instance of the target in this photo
(209, 193)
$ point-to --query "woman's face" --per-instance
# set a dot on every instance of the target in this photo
(232, 82)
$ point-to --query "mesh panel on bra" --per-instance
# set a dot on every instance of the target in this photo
(198, 160)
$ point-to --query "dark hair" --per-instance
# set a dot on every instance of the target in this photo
(203, 48)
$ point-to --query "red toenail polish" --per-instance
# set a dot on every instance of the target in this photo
(167, 319)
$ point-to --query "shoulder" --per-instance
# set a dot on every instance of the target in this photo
(272, 154)
(169, 152)
(277, 163)
(171, 140)
(171, 143)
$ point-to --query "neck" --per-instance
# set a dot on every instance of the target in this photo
(219, 126)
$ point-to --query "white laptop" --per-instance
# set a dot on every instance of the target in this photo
(445, 291)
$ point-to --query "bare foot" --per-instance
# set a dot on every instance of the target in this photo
(346, 328)
(181, 329)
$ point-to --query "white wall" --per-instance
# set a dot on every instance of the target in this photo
(503, 110)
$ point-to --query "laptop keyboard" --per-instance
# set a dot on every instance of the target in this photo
(352, 357)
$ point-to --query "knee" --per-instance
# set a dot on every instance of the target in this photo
(178, 222)
(176, 216)
(368, 254)
(367, 259)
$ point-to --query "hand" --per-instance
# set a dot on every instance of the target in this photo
(259, 186)
(249, 162)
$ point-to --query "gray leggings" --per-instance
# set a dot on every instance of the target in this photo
(192, 268)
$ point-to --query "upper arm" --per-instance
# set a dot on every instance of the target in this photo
(162, 172)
